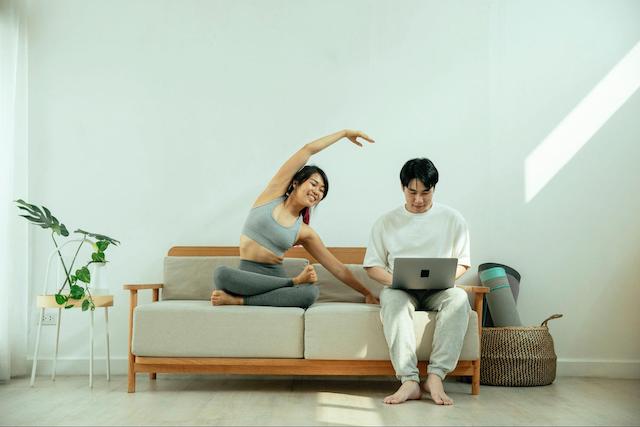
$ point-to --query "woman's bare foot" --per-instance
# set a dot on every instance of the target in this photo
(409, 390)
(223, 298)
(433, 385)
(308, 275)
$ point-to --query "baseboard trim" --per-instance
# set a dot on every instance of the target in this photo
(567, 367)
(600, 368)
(80, 366)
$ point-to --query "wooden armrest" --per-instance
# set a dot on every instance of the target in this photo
(142, 286)
(133, 302)
(478, 298)
(475, 289)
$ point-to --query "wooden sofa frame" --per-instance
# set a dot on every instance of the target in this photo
(261, 366)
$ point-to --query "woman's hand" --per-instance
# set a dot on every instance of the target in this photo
(353, 135)
(371, 299)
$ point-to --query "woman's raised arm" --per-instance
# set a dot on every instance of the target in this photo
(280, 181)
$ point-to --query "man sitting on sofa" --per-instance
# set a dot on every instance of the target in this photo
(420, 228)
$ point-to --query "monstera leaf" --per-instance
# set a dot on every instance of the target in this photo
(78, 282)
(42, 217)
(99, 237)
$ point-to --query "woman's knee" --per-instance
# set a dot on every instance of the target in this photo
(309, 296)
(221, 276)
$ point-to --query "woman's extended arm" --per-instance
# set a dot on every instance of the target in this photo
(280, 181)
(313, 244)
(352, 135)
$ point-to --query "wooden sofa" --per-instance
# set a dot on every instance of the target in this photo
(278, 366)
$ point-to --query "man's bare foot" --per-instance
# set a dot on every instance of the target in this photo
(223, 298)
(308, 275)
(409, 390)
(433, 385)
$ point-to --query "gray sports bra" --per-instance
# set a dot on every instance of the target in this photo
(264, 229)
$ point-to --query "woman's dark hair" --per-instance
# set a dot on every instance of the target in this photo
(301, 176)
(421, 169)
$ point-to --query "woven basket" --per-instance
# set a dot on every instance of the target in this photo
(518, 356)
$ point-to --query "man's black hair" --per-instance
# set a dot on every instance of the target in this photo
(421, 169)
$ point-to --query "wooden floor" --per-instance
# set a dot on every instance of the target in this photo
(218, 400)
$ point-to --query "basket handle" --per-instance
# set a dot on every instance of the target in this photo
(555, 316)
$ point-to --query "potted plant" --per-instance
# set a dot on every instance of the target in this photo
(79, 280)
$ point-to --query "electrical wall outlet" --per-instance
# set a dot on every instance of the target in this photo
(49, 318)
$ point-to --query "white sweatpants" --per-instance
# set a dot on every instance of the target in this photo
(452, 319)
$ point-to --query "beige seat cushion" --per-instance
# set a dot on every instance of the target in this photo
(191, 277)
(198, 329)
(348, 331)
(333, 290)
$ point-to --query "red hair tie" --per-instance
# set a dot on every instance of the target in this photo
(306, 215)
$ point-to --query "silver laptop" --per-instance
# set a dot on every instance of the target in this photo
(424, 273)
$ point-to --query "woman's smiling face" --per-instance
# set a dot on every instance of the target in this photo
(311, 191)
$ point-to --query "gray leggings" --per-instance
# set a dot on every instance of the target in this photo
(264, 284)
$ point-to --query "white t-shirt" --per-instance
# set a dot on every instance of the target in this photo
(440, 232)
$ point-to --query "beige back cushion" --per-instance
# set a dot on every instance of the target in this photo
(333, 290)
(191, 277)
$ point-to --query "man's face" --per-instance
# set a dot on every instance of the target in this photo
(419, 198)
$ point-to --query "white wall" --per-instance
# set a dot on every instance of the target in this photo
(157, 122)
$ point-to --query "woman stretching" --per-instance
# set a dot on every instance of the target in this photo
(278, 220)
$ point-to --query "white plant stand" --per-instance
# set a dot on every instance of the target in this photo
(49, 301)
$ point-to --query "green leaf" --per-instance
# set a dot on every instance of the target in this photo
(68, 306)
(102, 245)
(26, 206)
(61, 299)
(42, 217)
(85, 305)
(98, 236)
(33, 210)
(77, 292)
(48, 213)
(83, 275)
(97, 256)
(73, 279)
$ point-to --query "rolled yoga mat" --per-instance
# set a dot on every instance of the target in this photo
(514, 281)
(500, 299)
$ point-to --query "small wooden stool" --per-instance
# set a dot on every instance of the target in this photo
(49, 301)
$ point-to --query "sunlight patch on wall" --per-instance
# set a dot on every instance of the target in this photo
(559, 147)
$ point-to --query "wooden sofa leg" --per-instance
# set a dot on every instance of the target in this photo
(475, 378)
(133, 301)
(156, 295)
(132, 375)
